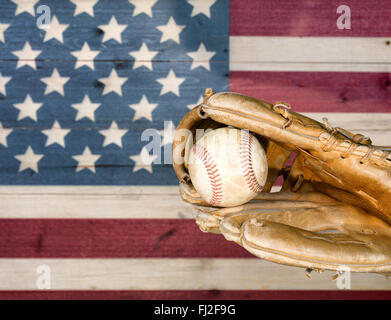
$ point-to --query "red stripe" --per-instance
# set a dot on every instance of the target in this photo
(111, 238)
(195, 294)
(318, 91)
(309, 18)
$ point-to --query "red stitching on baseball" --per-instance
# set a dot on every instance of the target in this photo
(246, 145)
(212, 172)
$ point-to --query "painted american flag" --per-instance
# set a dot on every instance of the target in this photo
(87, 210)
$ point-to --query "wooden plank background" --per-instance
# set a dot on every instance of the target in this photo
(345, 79)
(173, 274)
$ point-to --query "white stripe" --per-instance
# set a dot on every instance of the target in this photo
(96, 202)
(343, 54)
(92, 202)
(171, 274)
(354, 121)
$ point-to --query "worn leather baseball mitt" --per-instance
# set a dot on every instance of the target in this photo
(334, 208)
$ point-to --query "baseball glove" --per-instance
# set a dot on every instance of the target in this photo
(334, 208)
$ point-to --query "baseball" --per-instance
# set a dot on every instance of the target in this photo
(228, 167)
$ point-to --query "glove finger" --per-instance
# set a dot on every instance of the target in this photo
(311, 216)
(315, 197)
(229, 220)
(284, 211)
(285, 244)
(231, 225)
(208, 222)
(190, 195)
(209, 218)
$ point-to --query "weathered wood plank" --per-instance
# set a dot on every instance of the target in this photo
(375, 121)
(377, 126)
(111, 202)
(310, 66)
(309, 18)
(172, 274)
(112, 238)
(92, 202)
(363, 92)
(339, 54)
(138, 29)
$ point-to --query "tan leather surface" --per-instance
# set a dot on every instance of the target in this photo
(334, 208)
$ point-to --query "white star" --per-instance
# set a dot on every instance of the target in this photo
(170, 30)
(201, 57)
(143, 6)
(200, 100)
(3, 135)
(54, 30)
(143, 57)
(85, 56)
(86, 160)
(25, 5)
(84, 6)
(27, 56)
(55, 83)
(113, 83)
(28, 108)
(3, 82)
(56, 135)
(3, 27)
(143, 109)
(113, 135)
(171, 83)
(113, 30)
(29, 160)
(168, 133)
(86, 109)
(143, 161)
(201, 7)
